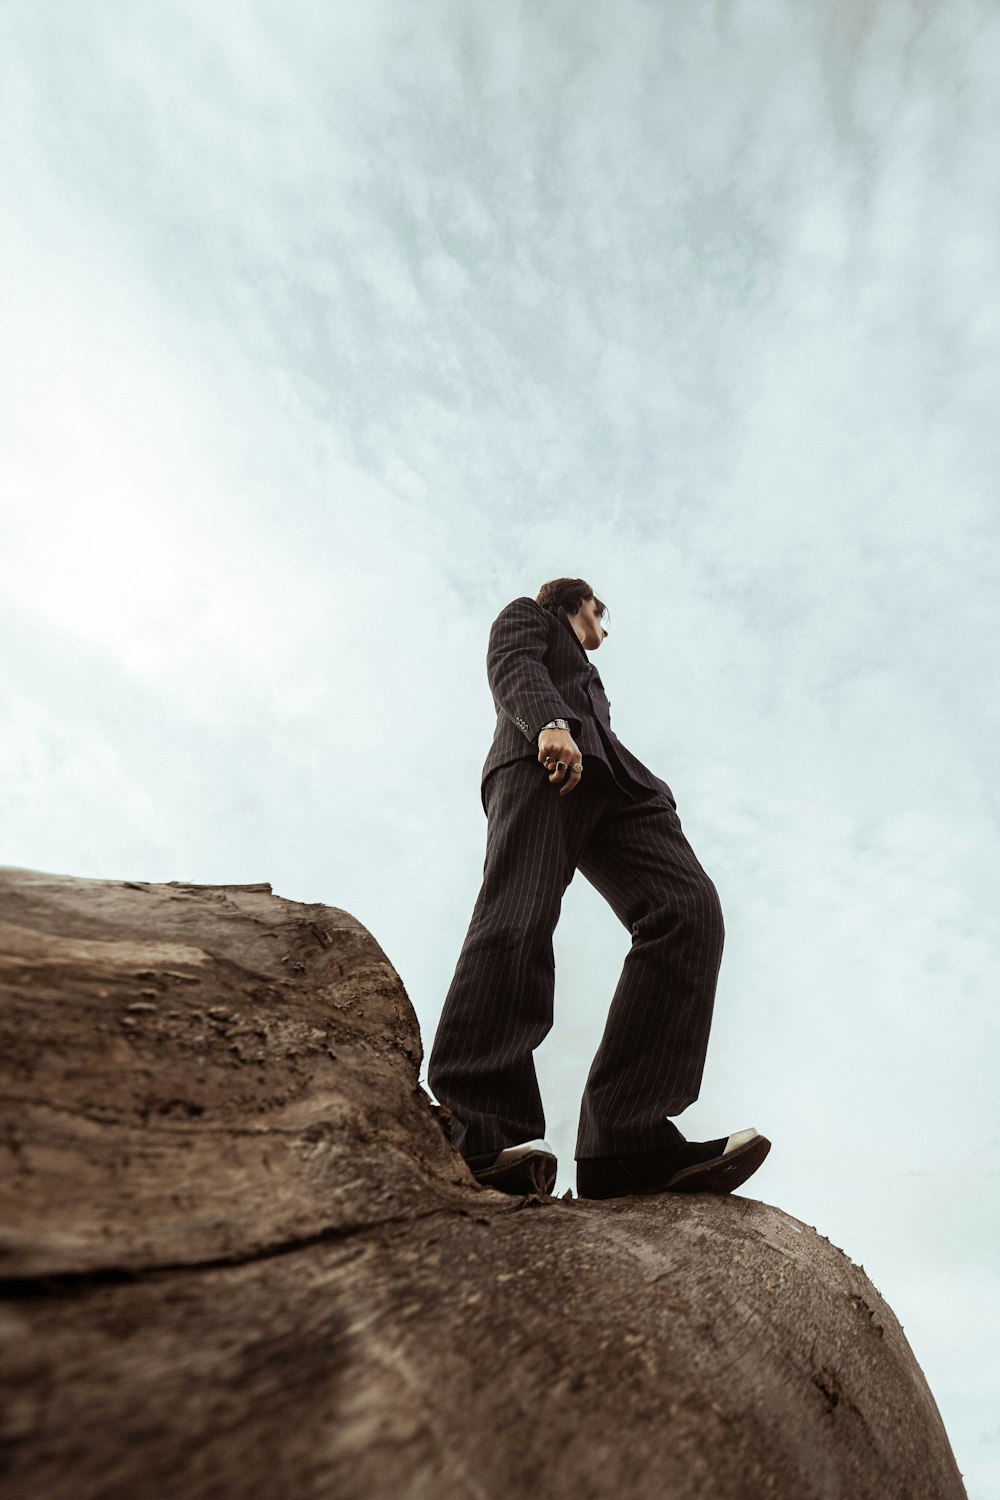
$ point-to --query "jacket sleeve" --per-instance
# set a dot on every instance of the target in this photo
(518, 677)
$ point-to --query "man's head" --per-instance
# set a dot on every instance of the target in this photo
(586, 612)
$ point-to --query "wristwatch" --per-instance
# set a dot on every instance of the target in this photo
(555, 724)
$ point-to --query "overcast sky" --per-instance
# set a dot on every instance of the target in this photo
(328, 330)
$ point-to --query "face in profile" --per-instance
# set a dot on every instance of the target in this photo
(588, 623)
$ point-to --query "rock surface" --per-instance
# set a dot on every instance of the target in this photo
(241, 1258)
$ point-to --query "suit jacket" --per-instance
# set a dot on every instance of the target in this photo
(538, 670)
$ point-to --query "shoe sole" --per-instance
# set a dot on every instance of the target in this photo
(534, 1172)
(719, 1175)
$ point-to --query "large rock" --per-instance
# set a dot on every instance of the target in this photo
(241, 1258)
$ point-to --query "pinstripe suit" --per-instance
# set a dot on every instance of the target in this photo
(620, 828)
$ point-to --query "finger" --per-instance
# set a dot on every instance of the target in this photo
(559, 770)
(575, 777)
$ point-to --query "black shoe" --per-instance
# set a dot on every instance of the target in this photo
(687, 1167)
(528, 1168)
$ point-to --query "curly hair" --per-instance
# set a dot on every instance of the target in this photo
(570, 593)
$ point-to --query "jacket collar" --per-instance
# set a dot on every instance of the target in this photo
(564, 617)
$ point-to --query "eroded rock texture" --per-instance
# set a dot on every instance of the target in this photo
(241, 1258)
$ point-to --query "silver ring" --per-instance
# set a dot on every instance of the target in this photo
(577, 767)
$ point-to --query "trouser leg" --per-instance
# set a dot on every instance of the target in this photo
(499, 1005)
(651, 1057)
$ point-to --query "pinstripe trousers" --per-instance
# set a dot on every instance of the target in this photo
(499, 1007)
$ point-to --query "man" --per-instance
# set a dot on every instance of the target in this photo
(561, 793)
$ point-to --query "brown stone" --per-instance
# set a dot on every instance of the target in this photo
(241, 1258)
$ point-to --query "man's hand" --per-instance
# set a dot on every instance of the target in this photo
(558, 753)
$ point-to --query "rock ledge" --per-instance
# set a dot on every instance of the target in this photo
(241, 1258)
